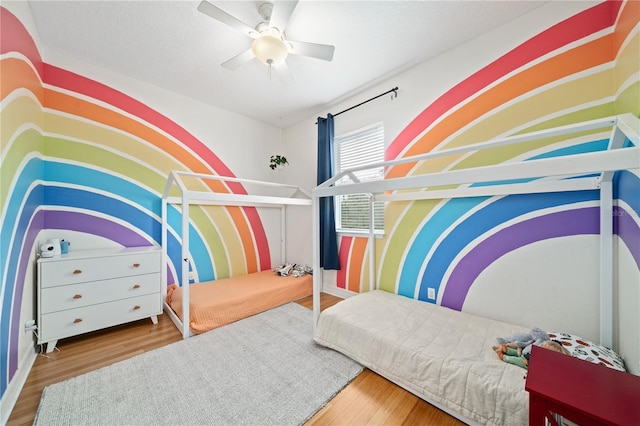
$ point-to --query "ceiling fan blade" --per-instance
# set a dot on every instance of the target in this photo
(238, 60)
(222, 16)
(313, 50)
(281, 13)
(284, 74)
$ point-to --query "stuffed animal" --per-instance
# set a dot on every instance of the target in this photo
(516, 349)
(525, 340)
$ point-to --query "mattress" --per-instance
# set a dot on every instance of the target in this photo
(439, 354)
(215, 303)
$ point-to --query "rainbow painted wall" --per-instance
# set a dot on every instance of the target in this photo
(78, 155)
(583, 68)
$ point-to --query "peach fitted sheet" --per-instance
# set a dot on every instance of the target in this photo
(215, 303)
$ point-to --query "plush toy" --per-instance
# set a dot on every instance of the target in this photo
(524, 340)
(516, 349)
(292, 269)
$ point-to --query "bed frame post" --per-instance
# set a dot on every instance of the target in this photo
(283, 235)
(616, 141)
(163, 246)
(606, 264)
(372, 241)
(185, 266)
(317, 274)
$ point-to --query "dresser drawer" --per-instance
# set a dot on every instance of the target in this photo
(58, 325)
(73, 296)
(73, 271)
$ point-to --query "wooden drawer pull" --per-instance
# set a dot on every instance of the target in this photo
(135, 308)
(77, 271)
(136, 265)
(77, 320)
(136, 286)
(77, 296)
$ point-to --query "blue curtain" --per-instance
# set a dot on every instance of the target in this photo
(328, 238)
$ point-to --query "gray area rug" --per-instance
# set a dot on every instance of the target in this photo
(262, 370)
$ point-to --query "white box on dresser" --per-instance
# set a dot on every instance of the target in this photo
(88, 290)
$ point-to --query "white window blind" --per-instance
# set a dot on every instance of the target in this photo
(354, 149)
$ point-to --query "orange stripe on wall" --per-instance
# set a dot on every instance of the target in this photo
(17, 74)
(583, 57)
(356, 258)
(627, 21)
(65, 103)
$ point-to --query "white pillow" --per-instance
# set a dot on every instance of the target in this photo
(589, 351)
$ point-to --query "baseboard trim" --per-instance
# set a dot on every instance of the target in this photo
(12, 393)
(338, 292)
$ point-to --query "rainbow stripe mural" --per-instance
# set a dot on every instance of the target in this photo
(80, 156)
(583, 68)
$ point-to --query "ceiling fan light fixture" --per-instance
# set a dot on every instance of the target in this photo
(270, 45)
(269, 50)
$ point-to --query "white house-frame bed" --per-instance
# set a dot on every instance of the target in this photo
(423, 360)
(294, 196)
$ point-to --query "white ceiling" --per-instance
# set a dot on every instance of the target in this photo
(172, 45)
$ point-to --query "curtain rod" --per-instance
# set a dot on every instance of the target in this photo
(394, 90)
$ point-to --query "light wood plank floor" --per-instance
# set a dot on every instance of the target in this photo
(368, 400)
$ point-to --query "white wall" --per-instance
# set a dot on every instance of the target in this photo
(552, 269)
(626, 302)
(567, 270)
(418, 87)
(245, 146)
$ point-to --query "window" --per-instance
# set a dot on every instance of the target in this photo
(354, 149)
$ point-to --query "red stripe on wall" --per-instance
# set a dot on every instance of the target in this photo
(16, 38)
(343, 256)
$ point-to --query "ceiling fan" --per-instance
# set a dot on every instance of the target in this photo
(270, 45)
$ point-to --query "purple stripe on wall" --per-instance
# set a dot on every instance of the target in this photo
(30, 236)
(561, 224)
(74, 221)
(628, 230)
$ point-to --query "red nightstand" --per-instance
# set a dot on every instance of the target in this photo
(580, 391)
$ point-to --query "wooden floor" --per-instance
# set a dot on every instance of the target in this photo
(368, 400)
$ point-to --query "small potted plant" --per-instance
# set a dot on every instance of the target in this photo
(277, 162)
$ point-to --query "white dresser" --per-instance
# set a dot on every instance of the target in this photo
(92, 289)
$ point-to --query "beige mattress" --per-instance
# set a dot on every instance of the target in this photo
(215, 303)
(439, 354)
